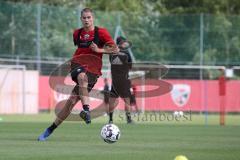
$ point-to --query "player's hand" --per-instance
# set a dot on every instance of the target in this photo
(111, 49)
(94, 47)
(116, 50)
(108, 49)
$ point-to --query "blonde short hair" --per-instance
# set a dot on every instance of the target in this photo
(87, 10)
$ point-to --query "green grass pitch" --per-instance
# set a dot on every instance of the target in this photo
(143, 140)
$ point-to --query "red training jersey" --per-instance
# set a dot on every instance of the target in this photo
(87, 58)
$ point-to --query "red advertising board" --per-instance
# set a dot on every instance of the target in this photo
(186, 95)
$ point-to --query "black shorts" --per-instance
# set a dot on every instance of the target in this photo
(76, 69)
(120, 88)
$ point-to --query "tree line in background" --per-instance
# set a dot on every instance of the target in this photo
(161, 30)
(145, 6)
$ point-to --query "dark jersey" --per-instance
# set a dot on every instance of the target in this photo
(120, 66)
(121, 63)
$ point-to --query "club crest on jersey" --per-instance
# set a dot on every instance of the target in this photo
(86, 36)
(180, 94)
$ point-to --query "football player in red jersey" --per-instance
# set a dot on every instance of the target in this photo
(86, 64)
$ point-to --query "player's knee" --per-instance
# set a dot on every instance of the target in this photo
(82, 80)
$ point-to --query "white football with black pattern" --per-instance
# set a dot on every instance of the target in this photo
(110, 133)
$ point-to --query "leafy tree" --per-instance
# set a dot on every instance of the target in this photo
(161, 30)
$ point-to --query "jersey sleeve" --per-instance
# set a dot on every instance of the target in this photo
(75, 34)
(105, 37)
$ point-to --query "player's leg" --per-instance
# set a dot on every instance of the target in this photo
(83, 89)
(60, 116)
(112, 105)
(84, 96)
(86, 82)
(106, 101)
(125, 93)
(112, 102)
(67, 108)
(128, 109)
(136, 108)
(133, 103)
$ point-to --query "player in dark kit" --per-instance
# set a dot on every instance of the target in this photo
(121, 63)
(86, 64)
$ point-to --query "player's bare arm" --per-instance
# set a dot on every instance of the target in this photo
(107, 49)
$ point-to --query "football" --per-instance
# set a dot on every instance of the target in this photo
(178, 113)
(110, 133)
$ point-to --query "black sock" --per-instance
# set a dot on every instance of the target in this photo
(86, 107)
(52, 127)
(128, 115)
(111, 116)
